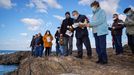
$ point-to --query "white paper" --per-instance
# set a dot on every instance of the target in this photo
(48, 39)
(69, 33)
(75, 25)
(121, 23)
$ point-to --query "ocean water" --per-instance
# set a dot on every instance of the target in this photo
(7, 68)
(6, 51)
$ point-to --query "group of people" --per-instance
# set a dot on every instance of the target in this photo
(40, 42)
(79, 23)
(116, 31)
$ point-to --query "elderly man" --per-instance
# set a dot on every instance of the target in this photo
(81, 34)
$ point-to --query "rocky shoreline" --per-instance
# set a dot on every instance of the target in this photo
(14, 58)
(28, 65)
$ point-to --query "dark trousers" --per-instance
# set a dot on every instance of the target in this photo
(68, 45)
(86, 42)
(32, 51)
(47, 51)
(100, 42)
(118, 43)
(131, 42)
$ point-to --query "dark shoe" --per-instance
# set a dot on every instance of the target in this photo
(89, 57)
(98, 62)
(103, 63)
(133, 53)
(80, 57)
(117, 53)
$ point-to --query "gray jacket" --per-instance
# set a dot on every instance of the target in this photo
(129, 23)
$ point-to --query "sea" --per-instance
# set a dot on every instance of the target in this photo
(7, 68)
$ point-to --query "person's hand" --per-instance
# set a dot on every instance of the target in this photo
(61, 35)
(71, 29)
(113, 27)
(81, 25)
(88, 25)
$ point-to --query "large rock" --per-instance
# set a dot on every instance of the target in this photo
(71, 66)
(118, 65)
(14, 58)
(46, 66)
(126, 47)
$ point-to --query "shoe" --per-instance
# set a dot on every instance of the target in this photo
(120, 55)
(89, 57)
(80, 57)
(117, 53)
(103, 63)
(98, 62)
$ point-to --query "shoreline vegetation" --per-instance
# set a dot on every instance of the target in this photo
(54, 65)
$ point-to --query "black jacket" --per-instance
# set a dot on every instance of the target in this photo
(32, 43)
(79, 31)
(57, 37)
(118, 24)
(40, 40)
(64, 25)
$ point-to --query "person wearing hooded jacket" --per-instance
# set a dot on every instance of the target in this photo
(129, 24)
(47, 39)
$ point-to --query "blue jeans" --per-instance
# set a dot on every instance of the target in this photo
(36, 51)
(118, 44)
(39, 51)
(100, 42)
(62, 49)
(41, 48)
(58, 52)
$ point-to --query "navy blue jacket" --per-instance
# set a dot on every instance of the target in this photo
(79, 31)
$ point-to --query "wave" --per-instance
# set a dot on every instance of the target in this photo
(6, 51)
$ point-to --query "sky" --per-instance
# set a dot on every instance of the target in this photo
(21, 19)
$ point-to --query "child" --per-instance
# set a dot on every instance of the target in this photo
(61, 45)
